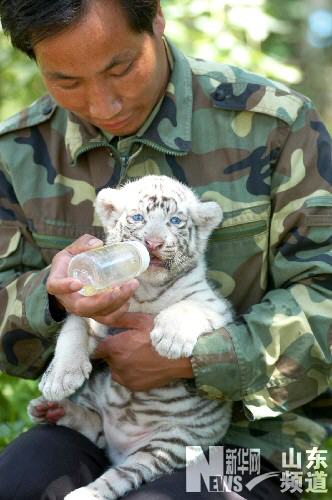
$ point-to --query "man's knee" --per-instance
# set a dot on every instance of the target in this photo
(47, 462)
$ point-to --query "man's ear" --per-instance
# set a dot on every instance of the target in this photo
(109, 206)
(208, 215)
(159, 22)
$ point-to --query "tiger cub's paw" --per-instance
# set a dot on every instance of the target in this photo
(172, 337)
(63, 378)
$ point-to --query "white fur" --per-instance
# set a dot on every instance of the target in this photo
(184, 309)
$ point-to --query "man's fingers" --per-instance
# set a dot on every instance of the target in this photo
(134, 321)
(128, 321)
(61, 260)
(64, 288)
(107, 302)
(59, 286)
(95, 306)
(117, 378)
(112, 318)
(82, 244)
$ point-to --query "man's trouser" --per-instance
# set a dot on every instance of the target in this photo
(49, 461)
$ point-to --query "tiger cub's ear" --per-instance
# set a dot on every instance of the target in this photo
(208, 215)
(109, 206)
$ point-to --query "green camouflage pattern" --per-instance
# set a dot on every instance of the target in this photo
(254, 146)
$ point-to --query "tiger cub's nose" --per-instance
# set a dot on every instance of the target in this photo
(154, 244)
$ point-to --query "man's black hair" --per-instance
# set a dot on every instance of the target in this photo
(27, 22)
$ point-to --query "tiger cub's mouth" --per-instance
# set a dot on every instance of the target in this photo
(156, 261)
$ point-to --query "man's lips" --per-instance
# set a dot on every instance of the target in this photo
(114, 124)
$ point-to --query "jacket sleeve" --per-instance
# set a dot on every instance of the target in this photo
(277, 356)
(26, 326)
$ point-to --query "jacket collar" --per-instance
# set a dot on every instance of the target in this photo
(168, 129)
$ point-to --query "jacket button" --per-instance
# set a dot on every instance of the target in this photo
(219, 94)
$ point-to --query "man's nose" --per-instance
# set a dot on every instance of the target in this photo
(154, 244)
(103, 104)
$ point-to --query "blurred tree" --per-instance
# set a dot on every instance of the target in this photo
(307, 43)
(231, 31)
(20, 82)
(289, 41)
(15, 395)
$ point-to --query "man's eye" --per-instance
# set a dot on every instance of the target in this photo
(121, 71)
(137, 217)
(68, 86)
(175, 220)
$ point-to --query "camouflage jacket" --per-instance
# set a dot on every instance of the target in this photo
(258, 149)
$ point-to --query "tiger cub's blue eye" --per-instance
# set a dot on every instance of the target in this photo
(176, 220)
(137, 217)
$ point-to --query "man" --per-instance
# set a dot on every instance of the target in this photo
(126, 103)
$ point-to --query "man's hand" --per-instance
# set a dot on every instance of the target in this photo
(104, 307)
(133, 360)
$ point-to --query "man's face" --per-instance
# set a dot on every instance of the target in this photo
(103, 71)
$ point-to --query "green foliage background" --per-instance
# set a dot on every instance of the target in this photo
(270, 37)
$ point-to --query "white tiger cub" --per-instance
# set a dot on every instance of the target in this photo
(145, 433)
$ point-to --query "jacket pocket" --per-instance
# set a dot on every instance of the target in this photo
(52, 236)
(237, 255)
(318, 212)
(239, 231)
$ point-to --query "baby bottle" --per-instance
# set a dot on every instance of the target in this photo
(108, 266)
